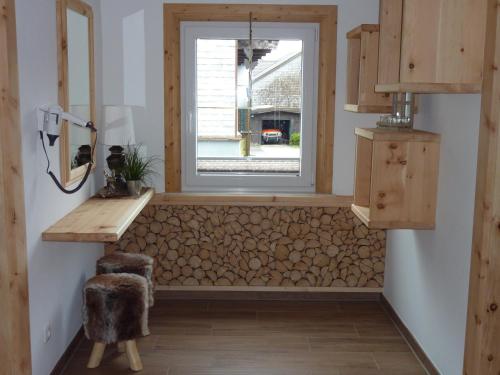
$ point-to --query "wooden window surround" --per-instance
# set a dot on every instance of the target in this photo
(324, 15)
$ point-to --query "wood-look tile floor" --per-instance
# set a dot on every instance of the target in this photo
(263, 338)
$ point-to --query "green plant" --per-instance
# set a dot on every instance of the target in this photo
(295, 139)
(136, 166)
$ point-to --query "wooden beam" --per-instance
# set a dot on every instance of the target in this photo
(325, 15)
(15, 357)
(482, 343)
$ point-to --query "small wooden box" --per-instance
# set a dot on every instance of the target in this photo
(396, 178)
(362, 63)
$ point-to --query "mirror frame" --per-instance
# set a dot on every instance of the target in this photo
(70, 176)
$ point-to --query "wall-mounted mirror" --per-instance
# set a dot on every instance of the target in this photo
(76, 85)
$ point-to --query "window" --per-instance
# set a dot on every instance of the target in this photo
(242, 131)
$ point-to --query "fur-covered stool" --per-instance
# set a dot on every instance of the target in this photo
(115, 310)
(120, 262)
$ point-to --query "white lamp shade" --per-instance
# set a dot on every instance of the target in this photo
(81, 111)
(118, 125)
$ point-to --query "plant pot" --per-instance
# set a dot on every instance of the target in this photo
(134, 187)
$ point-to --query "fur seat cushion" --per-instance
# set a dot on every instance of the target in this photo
(115, 307)
(120, 262)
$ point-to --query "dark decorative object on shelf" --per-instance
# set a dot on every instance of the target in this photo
(115, 186)
(116, 160)
(118, 132)
(83, 156)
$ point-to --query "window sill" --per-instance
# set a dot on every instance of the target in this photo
(283, 200)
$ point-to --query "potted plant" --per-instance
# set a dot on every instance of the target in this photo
(137, 169)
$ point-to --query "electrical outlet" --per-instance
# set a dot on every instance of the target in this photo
(47, 333)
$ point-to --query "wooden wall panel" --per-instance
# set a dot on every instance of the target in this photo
(15, 358)
(204, 247)
(391, 13)
(482, 353)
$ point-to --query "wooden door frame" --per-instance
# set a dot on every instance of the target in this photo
(15, 353)
(325, 15)
(482, 342)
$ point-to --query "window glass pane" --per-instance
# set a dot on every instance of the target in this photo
(248, 123)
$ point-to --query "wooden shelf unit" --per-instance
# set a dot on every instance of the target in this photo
(98, 219)
(363, 45)
(431, 46)
(396, 178)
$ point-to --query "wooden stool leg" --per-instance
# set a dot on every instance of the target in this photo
(121, 347)
(133, 355)
(96, 355)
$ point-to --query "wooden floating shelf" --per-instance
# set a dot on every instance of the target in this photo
(399, 135)
(98, 219)
(362, 45)
(363, 214)
(396, 178)
(430, 88)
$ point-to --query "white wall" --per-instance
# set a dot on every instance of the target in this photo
(149, 120)
(57, 271)
(427, 272)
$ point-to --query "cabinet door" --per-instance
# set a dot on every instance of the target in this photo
(442, 41)
(391, 13)
(388, 193)
(404, 183)
(363, 176)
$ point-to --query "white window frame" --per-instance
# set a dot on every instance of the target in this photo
(193, 182)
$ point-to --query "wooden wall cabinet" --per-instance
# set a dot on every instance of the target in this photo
(431, 46)
(396, 178)
(362, 55)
